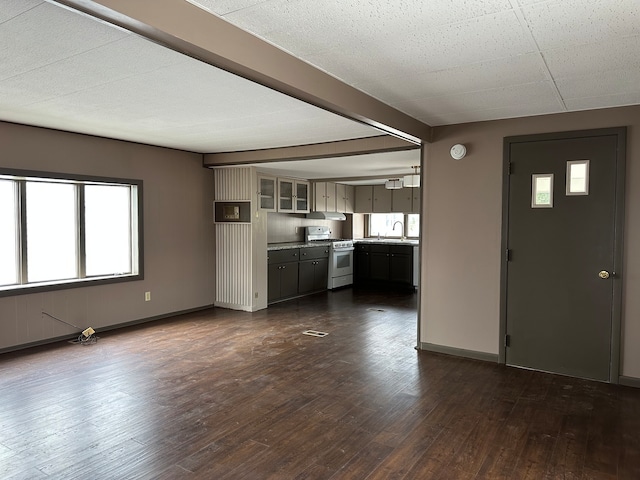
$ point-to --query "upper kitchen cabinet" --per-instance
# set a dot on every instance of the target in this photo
(416, 205)
(381, 199)
(402, 200)
(324, 197)
(285, 195)
(302, 202)
(345, 198)
(267, 192)
(293, 196)
(378, 199)
(364, 199)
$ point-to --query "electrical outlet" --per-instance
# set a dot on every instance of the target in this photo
(256, 294)
(147, 296)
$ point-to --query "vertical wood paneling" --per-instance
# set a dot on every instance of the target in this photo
(233, 264)
(233, 241)
(233, 183)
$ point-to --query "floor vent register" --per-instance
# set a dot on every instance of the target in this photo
(314, 333)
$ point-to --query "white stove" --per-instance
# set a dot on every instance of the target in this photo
(341, 244)
(340, 256)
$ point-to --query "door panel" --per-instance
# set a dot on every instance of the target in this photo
(558, 310)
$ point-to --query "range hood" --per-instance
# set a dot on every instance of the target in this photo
(327, 216)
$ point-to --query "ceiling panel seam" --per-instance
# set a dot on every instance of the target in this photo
(517, 10)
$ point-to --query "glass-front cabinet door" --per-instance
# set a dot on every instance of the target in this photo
(302, 197)
(267, 193)
(285, 195)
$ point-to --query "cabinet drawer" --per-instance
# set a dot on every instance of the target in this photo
(362, 247)
(311, 253)
(283, 256)
(376, 248)
(401, 249)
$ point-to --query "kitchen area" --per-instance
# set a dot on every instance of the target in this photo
(280, 235)
(331, 235)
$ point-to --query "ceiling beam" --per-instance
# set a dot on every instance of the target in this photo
(183, 27)
(342, 148)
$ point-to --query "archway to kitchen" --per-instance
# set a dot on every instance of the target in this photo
(344, 228)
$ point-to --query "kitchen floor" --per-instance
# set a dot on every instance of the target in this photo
(225, 394)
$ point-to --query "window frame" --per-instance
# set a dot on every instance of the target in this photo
(137, 231)
(405, 226)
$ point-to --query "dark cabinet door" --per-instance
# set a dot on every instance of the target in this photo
(379, 266)
(313, 275)
(289, 280)
(401, 268)
(273, 282)
(282, 281)
(362, 264)
(306, 277)
(321, 274)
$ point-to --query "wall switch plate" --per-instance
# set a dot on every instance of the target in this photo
(147, 296)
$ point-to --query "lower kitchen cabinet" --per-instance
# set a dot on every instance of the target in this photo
(283, 281)
(401, 264)
(379, 264)
(282, 274)
(314, 269)
(297, 271)
(313, 275)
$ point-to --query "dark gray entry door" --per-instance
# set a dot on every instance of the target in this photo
(563, 258)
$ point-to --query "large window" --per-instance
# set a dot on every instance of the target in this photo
(394, 225)
(52, 250)
(8, 233)
(58, 232)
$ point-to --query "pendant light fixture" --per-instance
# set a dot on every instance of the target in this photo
(414, 179)
(393, 184)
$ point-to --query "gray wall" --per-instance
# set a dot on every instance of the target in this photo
(178, 233)
(290, 227)
(460, 297)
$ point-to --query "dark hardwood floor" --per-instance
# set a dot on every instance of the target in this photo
(232, 395)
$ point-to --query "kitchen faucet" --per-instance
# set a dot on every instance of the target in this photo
(402, 237)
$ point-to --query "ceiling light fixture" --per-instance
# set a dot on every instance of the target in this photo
(393, 184)
(412, 180)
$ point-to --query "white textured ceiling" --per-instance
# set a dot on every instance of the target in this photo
(456, 61)
(377, 166)
(64, 70)
(441, 61)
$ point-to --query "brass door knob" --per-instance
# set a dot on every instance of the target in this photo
(603, 274)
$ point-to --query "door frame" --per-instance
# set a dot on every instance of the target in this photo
(616, 313)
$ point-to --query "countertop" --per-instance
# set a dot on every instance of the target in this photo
(287, 245)
(385, 241)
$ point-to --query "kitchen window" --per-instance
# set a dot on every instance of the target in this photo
(60, 232)
(381, 224)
